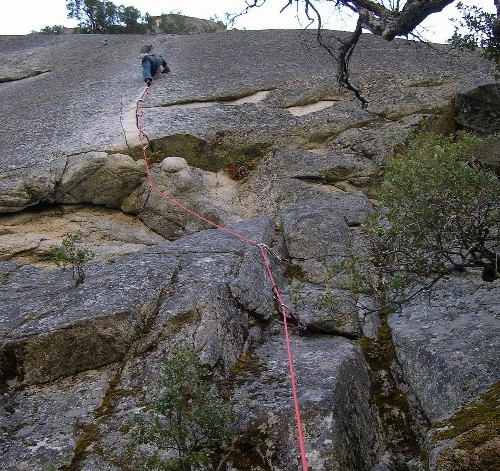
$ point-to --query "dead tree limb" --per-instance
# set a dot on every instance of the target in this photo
(399, 18)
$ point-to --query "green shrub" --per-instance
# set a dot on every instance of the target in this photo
(478, 29)
(175, 23)
(56, 29)
(439, 212)
(188, 425)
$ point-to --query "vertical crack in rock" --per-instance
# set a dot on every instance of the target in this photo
(390, 396)
(129, 123)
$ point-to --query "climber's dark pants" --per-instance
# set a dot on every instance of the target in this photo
(149, 67)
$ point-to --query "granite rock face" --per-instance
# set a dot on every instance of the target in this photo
(344, 430)
(448, 353)
(268, 89)
(442, 339)
(477, 109)
(259, 173)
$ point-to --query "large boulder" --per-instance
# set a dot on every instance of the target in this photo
(208, 195)
(341, 429)
(453, 340)
(447, 351)
(476, 109)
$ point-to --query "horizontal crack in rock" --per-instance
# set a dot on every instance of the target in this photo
(24, 75)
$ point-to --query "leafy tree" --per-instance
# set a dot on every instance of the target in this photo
(149, 22)
(385, 18)
(188, 420)
(130, 19)
(439, 213)
(175, 23)
(56, 29)
(95, 16)
(482, 30)
(72, 253)
(100, 16)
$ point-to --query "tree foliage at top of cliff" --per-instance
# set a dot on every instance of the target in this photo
(385, 18)
(98, 16)
(104, 17)
(439, 213)
(479, 29)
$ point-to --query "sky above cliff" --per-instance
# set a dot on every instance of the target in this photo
(33, 15)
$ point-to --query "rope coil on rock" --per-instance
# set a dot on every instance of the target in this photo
(264, 251)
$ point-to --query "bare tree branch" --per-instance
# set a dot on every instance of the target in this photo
(387, 22)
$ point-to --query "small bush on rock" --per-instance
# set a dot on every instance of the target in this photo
(188, 425)
(72, 253)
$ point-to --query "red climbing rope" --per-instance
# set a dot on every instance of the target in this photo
(295, 398)
(170, 198)
(264, 250)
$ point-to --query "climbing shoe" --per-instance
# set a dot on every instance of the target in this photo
(148, 81)
(165, 70)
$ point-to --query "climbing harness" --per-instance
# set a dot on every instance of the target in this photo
(264, 249)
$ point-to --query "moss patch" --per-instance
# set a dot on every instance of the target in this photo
(320, 139)
(248, 366)
(250, 450)
(178, 322)
(391, 401)
(90, 433)
(4, 278)
(218, 153)
(294, 271)
(475, 430)
(250, 453)
(379, 353)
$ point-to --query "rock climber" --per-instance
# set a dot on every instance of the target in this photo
(152, 64)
